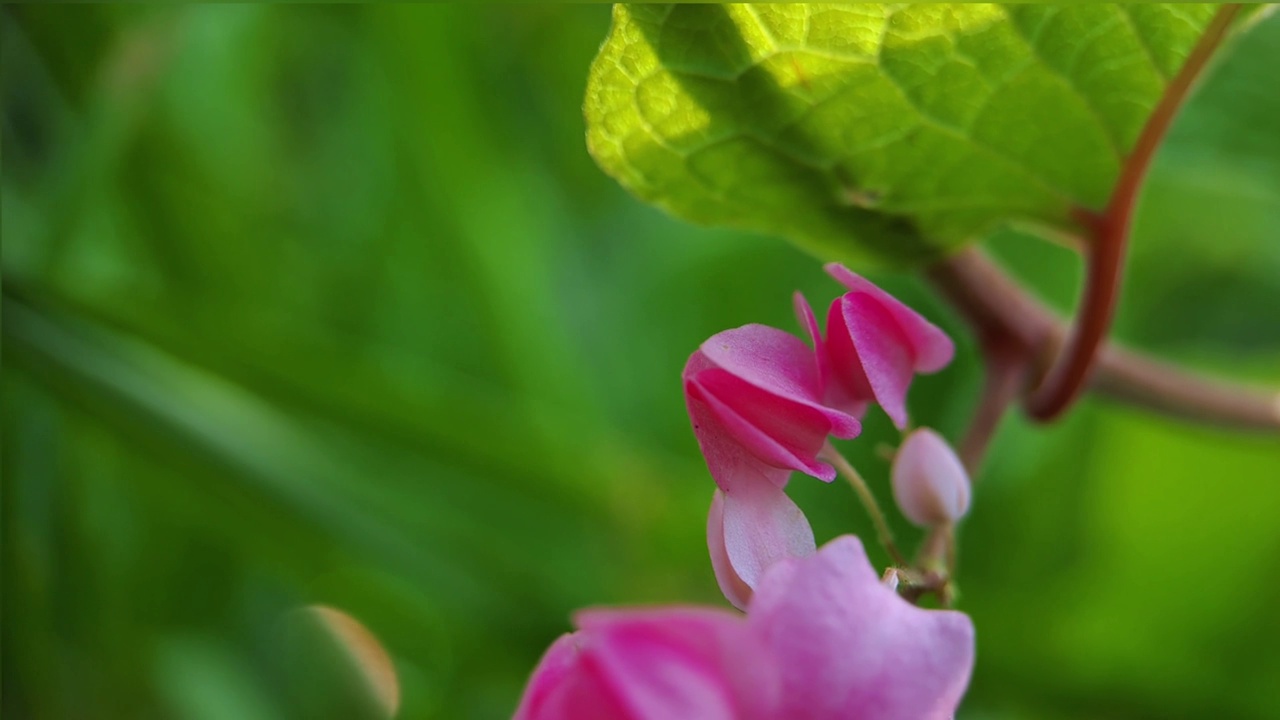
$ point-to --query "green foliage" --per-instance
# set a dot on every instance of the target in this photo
(874, 132)
(1222, 157)
(329, 305)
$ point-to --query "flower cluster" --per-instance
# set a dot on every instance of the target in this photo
(823, 636)
(763, 404)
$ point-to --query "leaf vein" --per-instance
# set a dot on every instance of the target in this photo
(1125, 13)
(1009, 161)
(1111, 134)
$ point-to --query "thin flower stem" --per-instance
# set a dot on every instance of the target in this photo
(1110, 233)
(936, 563)
(830, 454)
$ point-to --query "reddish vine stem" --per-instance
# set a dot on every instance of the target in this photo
(998, 307)
(1006, 370)
(1110, 234)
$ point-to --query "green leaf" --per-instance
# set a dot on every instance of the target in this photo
(875, 132)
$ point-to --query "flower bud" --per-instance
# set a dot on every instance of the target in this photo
(930, 484)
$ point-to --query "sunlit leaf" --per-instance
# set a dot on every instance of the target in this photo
(877, 132)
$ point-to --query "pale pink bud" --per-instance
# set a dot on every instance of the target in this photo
(930, 484)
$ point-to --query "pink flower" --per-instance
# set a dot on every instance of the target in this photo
(823, 639)
(755, 400)
(874, 346)
(678, 662)
(849, 647)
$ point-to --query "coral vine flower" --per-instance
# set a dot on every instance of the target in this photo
(874, 345)
(677, 662)
(755, 399)
(849, 647)
(823, 639)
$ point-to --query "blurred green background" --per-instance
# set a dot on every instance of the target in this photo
(329, 305)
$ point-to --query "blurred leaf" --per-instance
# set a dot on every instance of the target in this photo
(870, 132)
(71, 41)
(202, 681)
(1206, 246)
(1124, 567)
(336, 667)
(258, 454)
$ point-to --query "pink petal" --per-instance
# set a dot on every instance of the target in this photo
(768, 358)
(737, 592)
(878, 351)
(930, 483)
(726, 457)
(550, 672)
(778, 363)
(868, 360)
(559, 689)
(779, 432)
(680, 662)
(931, 349)
(752, 397)
(728, 460)
(849, 647)
(809, 321)
(760, 526)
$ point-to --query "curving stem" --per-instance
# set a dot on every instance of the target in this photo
(1006, 367)
(1110, 234)
(868, 500)
(1000, 310)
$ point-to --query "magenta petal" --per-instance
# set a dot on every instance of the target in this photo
(779, 432)
(727, 459)
(737, 592)
(768, 358)
(553, 669)
(882, 353)
(566, 685)
(931, 349)
(847, 387)
(849, 647)
(809, 321)
(875, 345)
(752, 395)
(680, 663)
(762, 526)
(779, 364)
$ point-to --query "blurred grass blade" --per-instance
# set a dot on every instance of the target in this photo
(244, 445)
